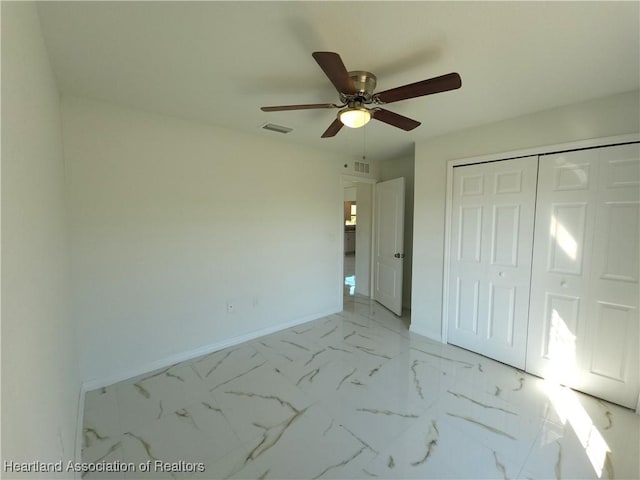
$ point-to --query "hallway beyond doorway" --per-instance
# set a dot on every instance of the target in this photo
(349, 274)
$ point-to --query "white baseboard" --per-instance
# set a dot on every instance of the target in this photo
(424, 333)
(195, 353)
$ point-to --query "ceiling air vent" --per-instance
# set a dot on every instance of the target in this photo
(361, 167)
(276, 128)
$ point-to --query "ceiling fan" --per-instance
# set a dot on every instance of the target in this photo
(355, 90)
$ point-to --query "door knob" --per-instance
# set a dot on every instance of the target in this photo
(563, 283)
(501, 274)
(398, 255)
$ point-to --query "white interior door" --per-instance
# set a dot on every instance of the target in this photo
(583, 325)
(389, 246)
(490, 258)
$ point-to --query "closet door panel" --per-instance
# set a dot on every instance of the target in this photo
(609, 362)
(583, 320)
(564, 227)
(490, 262)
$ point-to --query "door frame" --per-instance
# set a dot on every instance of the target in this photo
(354, 179)
(496, 157)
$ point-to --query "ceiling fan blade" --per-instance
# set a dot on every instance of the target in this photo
(444, 83)
(334, 69)
(405, 123)
(333, 129)
(298, 107)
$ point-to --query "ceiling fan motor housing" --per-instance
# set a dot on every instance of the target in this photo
(364, 83)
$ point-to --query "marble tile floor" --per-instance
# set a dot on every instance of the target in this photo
(356, 395)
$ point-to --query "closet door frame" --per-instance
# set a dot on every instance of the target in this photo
(548, 149)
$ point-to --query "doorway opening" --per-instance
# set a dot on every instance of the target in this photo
(356, 225)
(350, 226)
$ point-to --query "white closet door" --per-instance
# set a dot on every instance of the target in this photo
(583, 323)
(490, 258)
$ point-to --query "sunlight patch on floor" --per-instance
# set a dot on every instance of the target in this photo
(570, 410)
(350, 281)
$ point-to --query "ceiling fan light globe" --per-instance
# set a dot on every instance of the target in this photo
(355, 117)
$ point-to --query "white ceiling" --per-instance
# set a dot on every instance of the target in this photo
(218, 62)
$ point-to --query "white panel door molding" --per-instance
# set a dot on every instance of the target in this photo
(491, 240)
(583, 321)
(389, 243)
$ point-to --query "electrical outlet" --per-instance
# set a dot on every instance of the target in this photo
(230, 307)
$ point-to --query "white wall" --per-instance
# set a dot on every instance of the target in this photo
(390, 169)
(615, 115)
(40, 382)
(171, 220)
